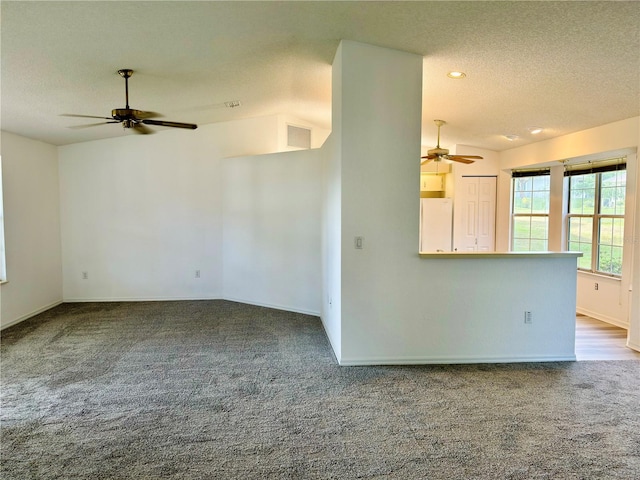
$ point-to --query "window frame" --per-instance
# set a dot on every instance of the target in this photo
(529, 174)
(596, 217)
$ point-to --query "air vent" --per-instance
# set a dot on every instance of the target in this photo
(298, 137)
(232, 103)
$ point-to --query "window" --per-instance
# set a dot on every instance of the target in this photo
(530, 211)
(596, 217)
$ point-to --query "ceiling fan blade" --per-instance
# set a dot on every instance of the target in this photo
(430, 157)
(84, 116)
(162, 123)
(142, 129)
(77, 127)
(141, 114)
(477, 157)
(457, 158)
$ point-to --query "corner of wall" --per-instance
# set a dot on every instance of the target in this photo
(31, 193)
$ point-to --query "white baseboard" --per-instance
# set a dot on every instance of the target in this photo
(137, 299)
(274, 306)
(177, 299)
(333, 342)
(633, 346)
(603, 318)
(452, 360)
(30, 314)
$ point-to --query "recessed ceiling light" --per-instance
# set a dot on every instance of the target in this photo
(511, 138)
(535, 130)
(456, 74)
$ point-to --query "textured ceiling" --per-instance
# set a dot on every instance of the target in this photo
(565, 66)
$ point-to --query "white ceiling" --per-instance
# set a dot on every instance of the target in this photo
(565, 66)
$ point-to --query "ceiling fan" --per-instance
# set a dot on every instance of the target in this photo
(438, 154)
(130, 118)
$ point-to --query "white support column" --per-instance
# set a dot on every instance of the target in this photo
(378, 144)
(557, 207)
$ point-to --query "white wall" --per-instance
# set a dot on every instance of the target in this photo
(140, 214)
(466, 311)
(633, 338)
(395, 306)
(32, 229)
(271, 230)
(591, 143)
(331, 309)
(611, 302)
(380, 148)
(331, 306)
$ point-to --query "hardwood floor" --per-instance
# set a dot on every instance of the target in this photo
(596, 340)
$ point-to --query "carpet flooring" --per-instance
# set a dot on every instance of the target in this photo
(221, 390)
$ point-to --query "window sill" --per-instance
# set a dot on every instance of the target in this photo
(599, 275)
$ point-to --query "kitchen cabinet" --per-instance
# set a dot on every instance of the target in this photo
(431, 183)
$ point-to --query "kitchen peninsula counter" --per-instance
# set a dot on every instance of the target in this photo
(499, 254)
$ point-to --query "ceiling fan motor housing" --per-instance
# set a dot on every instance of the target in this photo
(438, 151)
(124, 113)
(136, 116)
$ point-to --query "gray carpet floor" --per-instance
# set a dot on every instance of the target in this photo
(216, 389)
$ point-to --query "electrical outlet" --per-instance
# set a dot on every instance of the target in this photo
(85, 275)
(528, 318)
(358, 243)
(595, 286)
(197, 273)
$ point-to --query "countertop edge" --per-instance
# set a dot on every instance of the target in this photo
(499, 254)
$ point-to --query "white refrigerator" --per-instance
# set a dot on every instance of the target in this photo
(436, 224)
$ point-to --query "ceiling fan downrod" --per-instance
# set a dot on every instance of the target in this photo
(439, 123)
(126, 74)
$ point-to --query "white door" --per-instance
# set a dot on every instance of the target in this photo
(475, 214)
(487, 214)
(467, 215)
